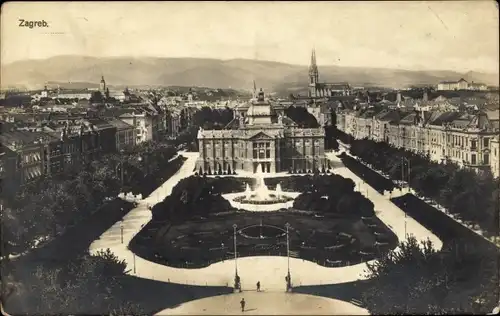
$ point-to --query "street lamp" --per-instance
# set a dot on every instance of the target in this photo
(403, 159)
(121, 229)
(288, 278)
(235, 253)
(121, 167)
(406, 235)
(134, 260)
(287, 225)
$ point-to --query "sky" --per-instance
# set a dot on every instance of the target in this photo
(451, 35)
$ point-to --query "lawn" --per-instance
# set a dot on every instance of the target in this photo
(327, 240)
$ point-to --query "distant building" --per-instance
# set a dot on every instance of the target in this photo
(477, 86)
(125, 134)
(461, 84)
(321, 90)
(260, 133)
(102, 86)
(45, 93)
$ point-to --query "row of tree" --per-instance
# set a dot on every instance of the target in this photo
(87, 284)
(420, 280)
(43, 209)
(473, 196)
(301, 116)
(206, 118)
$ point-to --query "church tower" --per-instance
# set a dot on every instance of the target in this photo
(102, 86)
(313, 75)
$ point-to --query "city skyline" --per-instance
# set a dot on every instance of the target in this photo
(399, 35)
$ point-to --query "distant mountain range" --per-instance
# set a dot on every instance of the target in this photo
(82, 71)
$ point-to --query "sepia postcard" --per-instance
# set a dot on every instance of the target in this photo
(260, 158)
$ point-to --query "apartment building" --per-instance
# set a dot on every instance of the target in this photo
(125, 134)
(27, 156)
(495, 156)
(469, 140)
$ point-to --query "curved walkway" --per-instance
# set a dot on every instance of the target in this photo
(266, 303)
(270, 271)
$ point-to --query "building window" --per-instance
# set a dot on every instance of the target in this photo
(486, 142)
(473, 144)
(486, 159)
(262, 150)
(473, 159)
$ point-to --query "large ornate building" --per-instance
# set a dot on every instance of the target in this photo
(322, 90)
(260, 133)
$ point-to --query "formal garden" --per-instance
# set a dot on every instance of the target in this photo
(329, 223)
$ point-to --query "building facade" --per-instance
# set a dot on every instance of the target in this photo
(321, 90)
(495, 156)
(468, 140)
(461, 84)
(125, 134)
(260, 134)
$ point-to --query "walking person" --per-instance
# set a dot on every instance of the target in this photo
(258, 286)
(242, 303)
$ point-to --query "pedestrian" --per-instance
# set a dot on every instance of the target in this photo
(242, 303)
(258, 286)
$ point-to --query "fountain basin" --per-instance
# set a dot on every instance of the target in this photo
(273, 199)
(261, 206)
(262, 232)
(261, 199)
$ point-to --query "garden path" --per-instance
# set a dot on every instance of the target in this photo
(266, 303)
(270, 271)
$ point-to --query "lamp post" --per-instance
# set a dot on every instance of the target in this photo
(121, 167)
(406, 235)
(403, 159)
(287, 225)
(134, 260)
(121, 229)
(288, 277)
(235, 252)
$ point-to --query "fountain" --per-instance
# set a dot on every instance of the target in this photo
(248, 192)
(278, 190)
(261, 195)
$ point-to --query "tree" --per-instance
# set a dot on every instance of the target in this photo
(88, 284)
(460, 191)
(419, 280)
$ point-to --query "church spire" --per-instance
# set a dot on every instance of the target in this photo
(313, 58)
(313, 69)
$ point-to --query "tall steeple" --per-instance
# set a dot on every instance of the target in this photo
(102, 85)
(313, 68)
(254, 90)
(313, 75)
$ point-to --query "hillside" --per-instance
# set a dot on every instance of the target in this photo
(213, 73)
